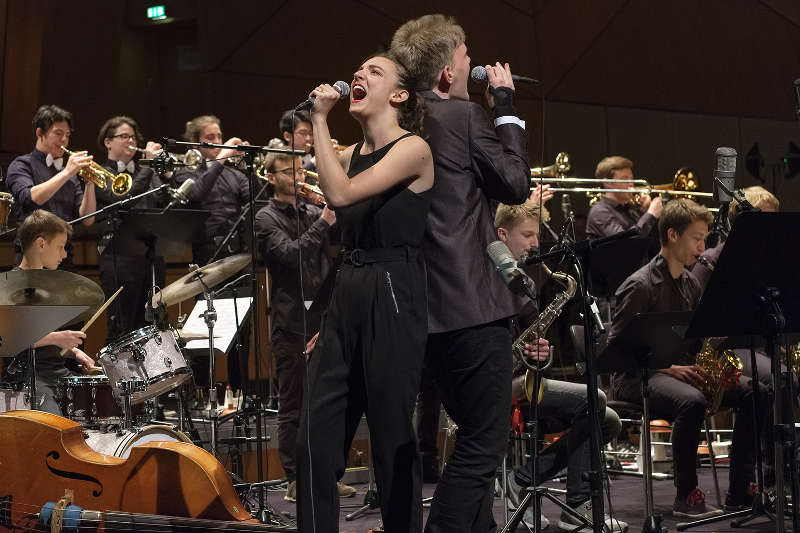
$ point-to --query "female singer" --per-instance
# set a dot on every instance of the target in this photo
(372, 339)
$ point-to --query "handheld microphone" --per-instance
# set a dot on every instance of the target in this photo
(797, 97)
(725, 172)
(479, 74)
(505, 265)
(341, 87)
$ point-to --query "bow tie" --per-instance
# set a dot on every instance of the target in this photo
(59, 163)
(122, 167)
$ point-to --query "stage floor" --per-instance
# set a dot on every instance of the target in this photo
(627, 498)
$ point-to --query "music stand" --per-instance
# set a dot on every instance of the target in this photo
(22, 325)
(650, 341)
(615, 261)
(758, 298)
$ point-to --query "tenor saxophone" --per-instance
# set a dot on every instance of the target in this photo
(522, 384)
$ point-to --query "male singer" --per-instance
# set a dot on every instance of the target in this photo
(469, 307)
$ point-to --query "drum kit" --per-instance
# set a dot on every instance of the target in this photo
(112, 401)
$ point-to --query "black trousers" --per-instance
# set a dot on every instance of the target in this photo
(126, 314)
(368, 358)
(685, 406)
(472, 368)
(290, 363)
(426, 422)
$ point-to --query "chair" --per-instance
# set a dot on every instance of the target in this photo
(631, 413)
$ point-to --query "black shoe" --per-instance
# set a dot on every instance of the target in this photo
(694, 506)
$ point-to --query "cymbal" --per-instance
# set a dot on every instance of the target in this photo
(50, 287)
(212, 275)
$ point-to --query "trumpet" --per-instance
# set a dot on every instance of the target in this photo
(312, 193)
(192, 159)
(120, 183)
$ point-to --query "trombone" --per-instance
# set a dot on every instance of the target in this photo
(120, 183)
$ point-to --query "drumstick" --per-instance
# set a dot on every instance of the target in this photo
(97, 314)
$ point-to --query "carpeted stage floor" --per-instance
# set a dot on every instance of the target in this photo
(627, 499)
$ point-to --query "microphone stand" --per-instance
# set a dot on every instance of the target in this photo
(265, 514)
(579, 255)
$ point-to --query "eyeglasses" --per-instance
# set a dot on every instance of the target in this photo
(123, 136)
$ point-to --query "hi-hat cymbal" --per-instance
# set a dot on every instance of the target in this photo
(50, 287)
(211, 275)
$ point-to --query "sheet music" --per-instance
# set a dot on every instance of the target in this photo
(224, 327)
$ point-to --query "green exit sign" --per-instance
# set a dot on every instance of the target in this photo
(156, 13)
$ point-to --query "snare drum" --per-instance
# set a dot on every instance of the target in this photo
(148, 355)
(120, 444)
(6, 201)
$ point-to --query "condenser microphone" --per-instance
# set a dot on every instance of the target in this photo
(479, 74)
(725, 172)
(180, 195)
(341, 87)
(566, 205)
(505, 265)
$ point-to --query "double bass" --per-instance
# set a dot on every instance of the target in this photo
(49, 474)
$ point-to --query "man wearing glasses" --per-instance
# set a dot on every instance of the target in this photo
(45, 179)
(292, 234)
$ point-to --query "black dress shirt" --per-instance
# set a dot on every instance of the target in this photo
(220, 189)
(281, 247)
(476, 165)
(702, 272)
(607, 217)
(144, 179)
(652, 289)
(31, 169)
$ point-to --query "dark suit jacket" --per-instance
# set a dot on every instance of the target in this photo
(476, 165)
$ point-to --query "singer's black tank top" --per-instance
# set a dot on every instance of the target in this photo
(393, 218)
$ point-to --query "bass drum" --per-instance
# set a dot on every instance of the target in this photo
(119, 445)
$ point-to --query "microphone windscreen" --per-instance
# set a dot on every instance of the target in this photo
(478, 73)
(343, 88)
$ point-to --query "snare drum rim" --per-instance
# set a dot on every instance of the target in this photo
(77, 381)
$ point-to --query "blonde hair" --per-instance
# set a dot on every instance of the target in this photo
(271, 158)
(758, 197)
(509, 216)
(196, 126)
(426, 45)
(606, 167)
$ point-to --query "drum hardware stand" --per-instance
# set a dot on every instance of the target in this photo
(371, 501)
(249, 156)
(32, 387)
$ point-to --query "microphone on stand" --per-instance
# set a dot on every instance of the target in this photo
(479, 74)
(341, 87)
(505, 265)
(566, 205)
(181, 194)
(725, 173)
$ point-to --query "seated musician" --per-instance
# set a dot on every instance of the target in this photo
(284, 250)
(43, 237)
(563, 403)
(665, 284)
(128, 267)
(614, 211)
(44, 180)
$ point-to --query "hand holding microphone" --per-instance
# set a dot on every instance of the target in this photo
(328, 96)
